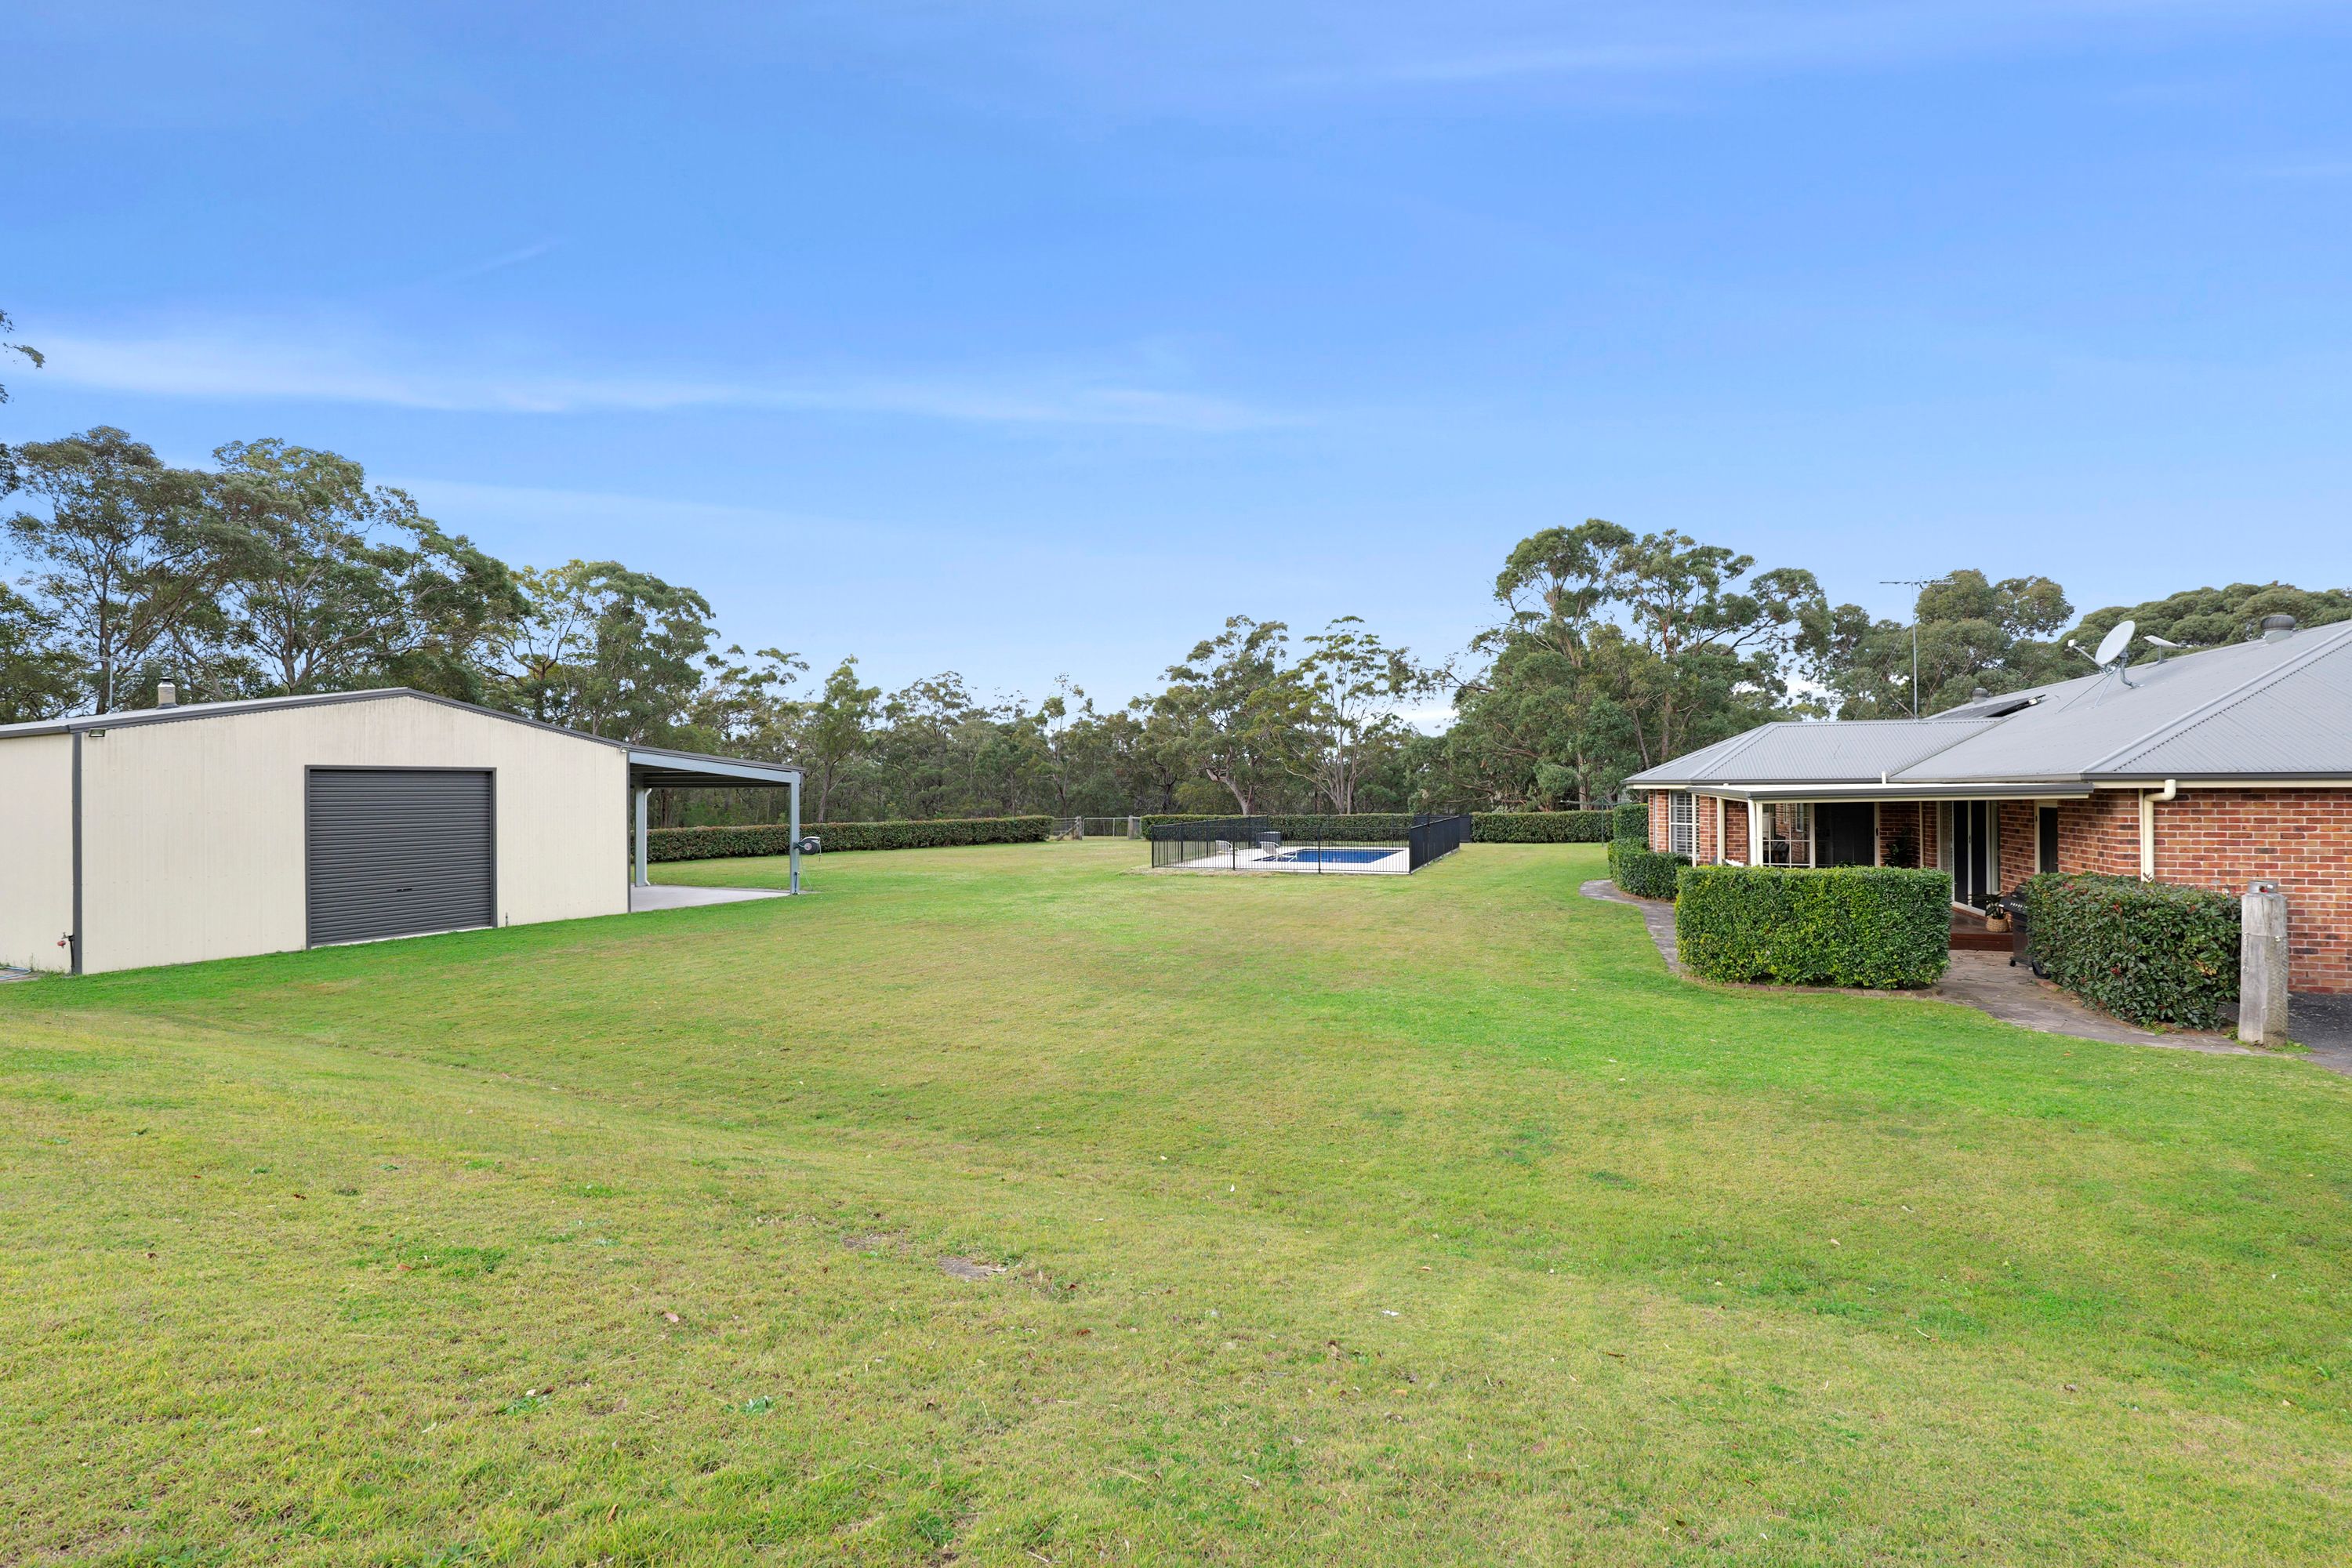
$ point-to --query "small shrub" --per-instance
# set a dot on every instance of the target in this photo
(1641, 871)
(1881, 927)
(1633, 821)
(724, 843)
(1541, 826)
(2149, 952)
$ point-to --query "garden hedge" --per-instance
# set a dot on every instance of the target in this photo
(1540, 826)
(1641, 871)
(2149, 952)
(1389, 826)
(1633, 821)
(1882, 927)
(720, 843)
(1363, 827)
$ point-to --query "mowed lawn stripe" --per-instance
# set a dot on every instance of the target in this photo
(1677, 1274)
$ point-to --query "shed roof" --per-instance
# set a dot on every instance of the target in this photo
(2271, 709)
(651, 766)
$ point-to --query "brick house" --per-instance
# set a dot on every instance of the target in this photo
(2216, 768)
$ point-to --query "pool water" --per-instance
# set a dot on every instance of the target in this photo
(1338, 856)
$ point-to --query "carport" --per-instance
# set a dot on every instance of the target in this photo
(653, 767)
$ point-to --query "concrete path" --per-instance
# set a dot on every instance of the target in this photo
(671, 896)
(1987, 982)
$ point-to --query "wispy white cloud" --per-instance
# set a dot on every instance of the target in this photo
(498, 263)
(230, 363)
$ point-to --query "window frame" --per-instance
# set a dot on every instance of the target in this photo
(1681, 824)
(1780, 849)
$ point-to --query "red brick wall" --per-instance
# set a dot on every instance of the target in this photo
(1703, 835)
(1658, 799)
(1899, 819)
(1734, 831)
(2018, 836)
(2301, 838)
(2101, 834)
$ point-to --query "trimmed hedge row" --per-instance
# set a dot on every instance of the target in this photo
(2149, 952)
(721, 843)
(1541, 826)
(1363, 827)
(1633, 821)
(1389, 826)
(1641, 871)
(1882, 927)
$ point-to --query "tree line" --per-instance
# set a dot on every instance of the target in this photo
(282, 570)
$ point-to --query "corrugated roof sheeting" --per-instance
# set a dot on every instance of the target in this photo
(2259, 709)
(1815, 754)
(2302, 724)
(2084, 727)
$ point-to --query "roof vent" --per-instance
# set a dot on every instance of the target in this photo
(2277, 629)
(166, 694)
(1979, 695)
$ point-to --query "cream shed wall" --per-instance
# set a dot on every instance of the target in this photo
(37, 859)
(192, 831)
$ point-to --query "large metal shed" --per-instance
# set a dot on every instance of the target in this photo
(217, 830)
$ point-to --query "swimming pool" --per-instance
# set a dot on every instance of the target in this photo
(1337, 857)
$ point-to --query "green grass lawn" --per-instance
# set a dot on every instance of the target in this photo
(1341, 1220)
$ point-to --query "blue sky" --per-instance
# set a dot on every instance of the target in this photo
(1035, 338)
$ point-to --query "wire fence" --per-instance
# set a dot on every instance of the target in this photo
(1098, 827)
(1255, 844)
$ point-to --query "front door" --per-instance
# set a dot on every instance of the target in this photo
(1972, 873)
(1845, 835)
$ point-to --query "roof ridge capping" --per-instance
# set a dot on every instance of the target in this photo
(2299, 659)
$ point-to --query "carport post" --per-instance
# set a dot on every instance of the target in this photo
(643, 795)
(794, 851)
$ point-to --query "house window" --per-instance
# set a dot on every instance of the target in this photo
(1682, 825)
(2045, 855)
(1788, 834)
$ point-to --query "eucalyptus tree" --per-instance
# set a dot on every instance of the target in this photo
(326, 583)
(1354, 683)
(836, 730)
(27, 352)
(1244, 711)
(39, 678)
(122, 562)
(1966, 631)
(1617, 650)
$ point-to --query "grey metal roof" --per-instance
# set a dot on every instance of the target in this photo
(2097, 727)
(657, 766)
(1850, 752)
(2252, 710)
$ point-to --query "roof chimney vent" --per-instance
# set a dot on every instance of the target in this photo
(166, 694)
(2277, 629)
(1979, 695)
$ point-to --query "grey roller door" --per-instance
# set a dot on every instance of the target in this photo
(400, 851)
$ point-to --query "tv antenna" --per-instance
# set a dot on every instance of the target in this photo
(1915, 582)
(2114, 649)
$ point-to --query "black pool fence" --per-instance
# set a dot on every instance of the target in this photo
(1433, 837)
(1238, 841)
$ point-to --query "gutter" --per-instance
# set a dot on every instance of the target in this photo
(2009, 789)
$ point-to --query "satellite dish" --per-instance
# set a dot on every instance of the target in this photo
(2111, 646)
(2162, 642)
